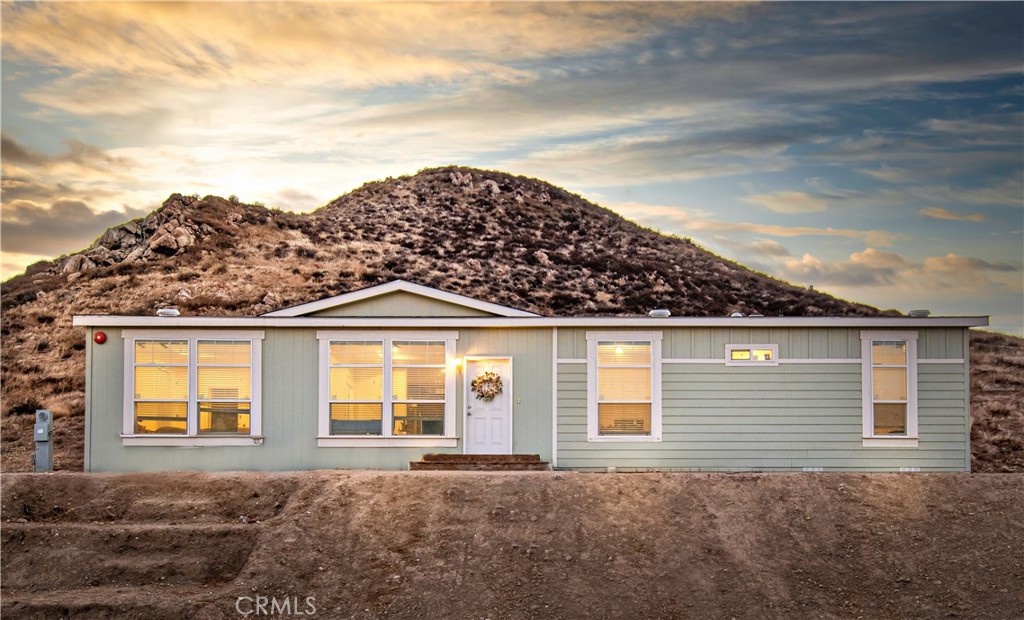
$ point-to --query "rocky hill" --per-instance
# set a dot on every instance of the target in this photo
(501, 238)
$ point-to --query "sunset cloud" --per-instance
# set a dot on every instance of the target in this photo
(788, 202)
(945, 214)
(873, 267)
(118, 48)
(56, 228)
(790, 140)
(686, 221)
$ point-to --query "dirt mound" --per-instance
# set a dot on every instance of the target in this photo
(536, 545)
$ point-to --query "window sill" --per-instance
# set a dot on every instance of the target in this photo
(624, 439)
(336, 441)
(192, 442)
(890, 442)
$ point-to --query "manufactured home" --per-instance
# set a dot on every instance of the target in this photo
(377, 378)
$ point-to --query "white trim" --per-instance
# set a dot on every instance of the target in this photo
(346, 334)
(942, 361)
(198, 441)
(891, 442)
(554, 396)
(729, 348)
(826, 360)
(593, 431)
(465, 398)
(386, 337)
(376, 441)
(565, 360)
(202, 334)
(867, 402)
(340, 322)
(718, 362)
(396, 286)
(192, 436)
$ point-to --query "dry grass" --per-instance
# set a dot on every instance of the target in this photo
(997, 402)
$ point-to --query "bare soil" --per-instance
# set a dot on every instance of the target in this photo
(513, 545)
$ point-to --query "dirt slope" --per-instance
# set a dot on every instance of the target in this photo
(544, 545)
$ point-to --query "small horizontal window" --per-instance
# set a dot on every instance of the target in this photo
(751, 355)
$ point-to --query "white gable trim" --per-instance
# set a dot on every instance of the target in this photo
(605, 322)
(393, 287)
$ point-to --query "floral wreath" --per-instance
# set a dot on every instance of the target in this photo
(486, 386)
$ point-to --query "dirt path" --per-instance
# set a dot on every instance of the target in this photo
(538, 545)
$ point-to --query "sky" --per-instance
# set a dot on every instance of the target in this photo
(873, 151)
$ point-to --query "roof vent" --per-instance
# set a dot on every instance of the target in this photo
(757, 316)
(660, 313)
(736, 315)
(920, 314)
(172, 311)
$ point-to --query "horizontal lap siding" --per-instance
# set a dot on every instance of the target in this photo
(291, 404)
(783, 417)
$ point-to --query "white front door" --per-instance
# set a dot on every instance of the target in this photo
(489, 422)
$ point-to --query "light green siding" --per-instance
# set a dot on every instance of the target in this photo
(290, 408)
(801, 413)
(790, 416)
(709, 343)
(403, 304)
(531, 377)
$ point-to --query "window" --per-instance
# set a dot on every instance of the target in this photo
(624, 386)
(890, 388)
(751, 355)
(417, 387)
(356, 387)
(399, 388)
(198, 388)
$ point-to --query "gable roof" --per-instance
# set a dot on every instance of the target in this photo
(393, 287)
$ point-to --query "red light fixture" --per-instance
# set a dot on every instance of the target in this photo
(100, 337)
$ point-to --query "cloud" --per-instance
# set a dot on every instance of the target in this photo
(759, 248)
(956, 264)
(337, 45)
(76, 152)
(945, 214)
(875, 268)
(889, 174)
(686, 221)
(681, 148)
(788, 202)
(49, 230)
(291, 199)
(987, 130)
(868, 268)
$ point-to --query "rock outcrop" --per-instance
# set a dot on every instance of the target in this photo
(164, 232)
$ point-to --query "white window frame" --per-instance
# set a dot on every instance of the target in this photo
(593, 426)
(729, 348)
(192, 438)
(869, 439)
(386, 439)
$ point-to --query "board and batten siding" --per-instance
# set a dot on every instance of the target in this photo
(403, 304)
(290, 408)
(804, 413)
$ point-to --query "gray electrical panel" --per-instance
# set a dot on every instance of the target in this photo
(43, 458)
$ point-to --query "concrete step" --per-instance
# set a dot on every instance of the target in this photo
(479, 462)
(480, 458)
